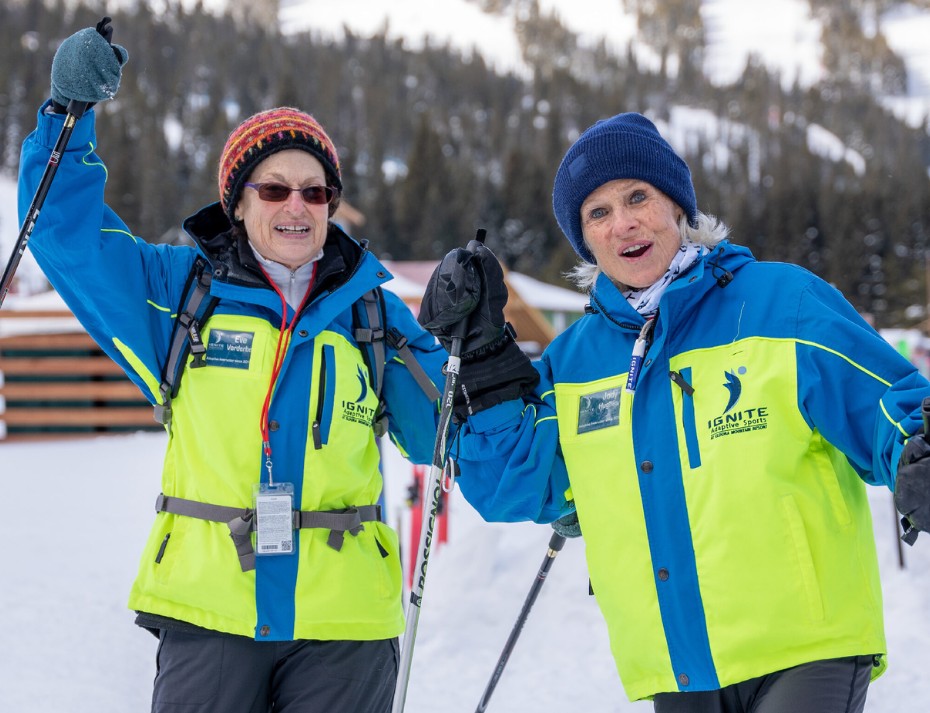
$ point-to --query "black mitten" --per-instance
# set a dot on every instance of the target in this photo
(465, 297)
(912, 486)
(493, 375)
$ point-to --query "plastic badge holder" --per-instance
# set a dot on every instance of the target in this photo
(274, 518)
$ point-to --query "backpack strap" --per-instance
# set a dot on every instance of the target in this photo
(196, 306)
(372, 302)
(399, 342)
(372, 338)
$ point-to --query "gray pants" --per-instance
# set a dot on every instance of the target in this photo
(209, 672)
(833, 686)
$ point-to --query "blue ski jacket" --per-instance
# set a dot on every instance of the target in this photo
(126, 293)
(721, 496)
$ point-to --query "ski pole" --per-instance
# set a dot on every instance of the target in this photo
(555, 545)
(432, 494)
(75, 111)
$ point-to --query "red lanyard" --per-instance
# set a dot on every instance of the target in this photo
(284, 339)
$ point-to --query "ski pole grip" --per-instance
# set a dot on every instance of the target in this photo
(105, 30)
(556, 542)
(77, 108)
(925, 413)
(461, 329)
(479, 239)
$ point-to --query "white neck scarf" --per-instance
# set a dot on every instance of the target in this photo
(646, 300)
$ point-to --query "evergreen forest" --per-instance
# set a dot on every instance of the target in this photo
(435, 144)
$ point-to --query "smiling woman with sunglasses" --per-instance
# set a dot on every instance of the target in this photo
(269, 577)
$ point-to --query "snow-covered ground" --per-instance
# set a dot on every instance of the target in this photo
(78, 512)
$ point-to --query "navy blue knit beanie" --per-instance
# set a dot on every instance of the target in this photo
(624, 146)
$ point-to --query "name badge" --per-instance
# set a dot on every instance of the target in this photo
(274, 519)
(599, 410)
(230, 349)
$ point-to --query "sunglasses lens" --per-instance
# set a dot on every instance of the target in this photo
(277, 192)
(317, 195)
(273, 192)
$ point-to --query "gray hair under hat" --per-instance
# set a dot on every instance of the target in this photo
(624, 146)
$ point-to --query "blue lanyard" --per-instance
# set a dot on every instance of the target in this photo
(639, 353)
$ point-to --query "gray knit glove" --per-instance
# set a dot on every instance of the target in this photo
(568, 525)
(87, 67)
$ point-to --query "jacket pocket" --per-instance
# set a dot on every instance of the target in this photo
(325, 396)
(806, 569)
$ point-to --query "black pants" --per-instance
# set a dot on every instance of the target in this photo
(208, 672)
(833, 686)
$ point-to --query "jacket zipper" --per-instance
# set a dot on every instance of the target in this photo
(320, 402)
(161, 549)
(689, 422)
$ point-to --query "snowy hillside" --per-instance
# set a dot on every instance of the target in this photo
(788, 41)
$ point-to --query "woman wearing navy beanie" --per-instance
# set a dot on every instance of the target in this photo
(710, 426)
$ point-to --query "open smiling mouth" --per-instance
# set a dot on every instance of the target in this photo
(292, 230)
(635, 250)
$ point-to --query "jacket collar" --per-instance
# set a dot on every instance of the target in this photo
(714, 270)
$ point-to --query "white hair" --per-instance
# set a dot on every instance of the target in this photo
(708, 230)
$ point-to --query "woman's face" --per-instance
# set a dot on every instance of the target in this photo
(291, 232)
(631, 229)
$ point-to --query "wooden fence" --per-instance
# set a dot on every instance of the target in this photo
(55, 380)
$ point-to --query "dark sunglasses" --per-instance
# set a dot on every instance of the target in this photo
(278, 193)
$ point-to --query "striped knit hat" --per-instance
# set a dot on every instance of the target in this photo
(266, 133)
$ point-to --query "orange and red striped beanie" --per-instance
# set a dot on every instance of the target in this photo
(266, 133)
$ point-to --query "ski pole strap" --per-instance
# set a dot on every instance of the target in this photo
(375, 334)
(241, 522)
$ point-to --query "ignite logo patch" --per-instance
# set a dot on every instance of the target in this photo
(356, 411)
(732, 420)
(734, 386)
(363, 382)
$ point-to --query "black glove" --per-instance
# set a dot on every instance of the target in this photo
(465, 297)
(87, 67)
(912, 486)
(568, 525)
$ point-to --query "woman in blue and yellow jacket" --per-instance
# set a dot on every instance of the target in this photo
(268, 575)
(713, 420)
